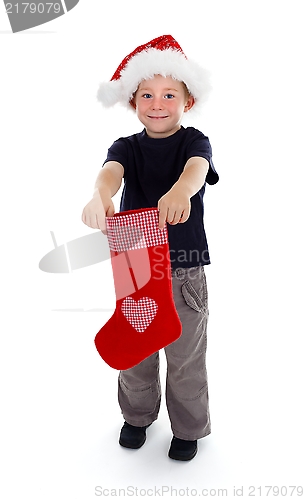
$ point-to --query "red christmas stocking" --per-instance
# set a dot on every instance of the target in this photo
(145, 319)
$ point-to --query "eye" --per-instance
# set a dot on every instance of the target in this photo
(169, 96)
(147, 96)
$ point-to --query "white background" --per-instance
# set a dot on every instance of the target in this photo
(60, 418)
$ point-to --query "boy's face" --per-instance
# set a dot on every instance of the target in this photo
(160, 104)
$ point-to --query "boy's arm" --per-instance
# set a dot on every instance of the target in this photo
(175, 206)
(107, 184)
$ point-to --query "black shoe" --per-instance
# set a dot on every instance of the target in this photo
(182, 450)
(132, 437)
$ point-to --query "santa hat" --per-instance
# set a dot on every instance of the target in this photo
(161, 56)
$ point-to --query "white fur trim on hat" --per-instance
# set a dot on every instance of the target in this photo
(146, 65)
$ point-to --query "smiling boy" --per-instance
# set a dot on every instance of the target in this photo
(165, 166)
(160, 104)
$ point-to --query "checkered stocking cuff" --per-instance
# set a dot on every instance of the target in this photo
(137, 229)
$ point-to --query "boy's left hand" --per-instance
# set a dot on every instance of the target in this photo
(174, 206)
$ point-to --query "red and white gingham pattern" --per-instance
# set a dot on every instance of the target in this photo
(135, 230)
(139, 314)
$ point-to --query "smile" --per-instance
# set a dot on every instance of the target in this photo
(157, 117)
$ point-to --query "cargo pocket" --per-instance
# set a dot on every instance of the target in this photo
(192, 298)
(192, 307)
(140, 398)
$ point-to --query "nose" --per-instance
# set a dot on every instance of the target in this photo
(157, 103)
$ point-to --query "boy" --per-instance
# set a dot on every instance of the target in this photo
(164, 166)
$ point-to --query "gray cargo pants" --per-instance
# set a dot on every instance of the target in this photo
(187, 400)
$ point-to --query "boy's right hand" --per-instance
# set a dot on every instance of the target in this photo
(96, 210)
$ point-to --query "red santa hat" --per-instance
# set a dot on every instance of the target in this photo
(161, 56)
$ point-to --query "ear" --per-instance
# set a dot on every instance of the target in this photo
(132, 103)
(189, 103)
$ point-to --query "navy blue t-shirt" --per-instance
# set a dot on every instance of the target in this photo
(151, 167)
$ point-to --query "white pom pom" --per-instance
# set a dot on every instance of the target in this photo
(109, 93)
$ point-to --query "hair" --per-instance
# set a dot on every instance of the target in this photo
(186, 90)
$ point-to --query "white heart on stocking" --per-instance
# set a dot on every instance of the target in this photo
(139, 314)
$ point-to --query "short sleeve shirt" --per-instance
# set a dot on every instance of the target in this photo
(151, 167)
